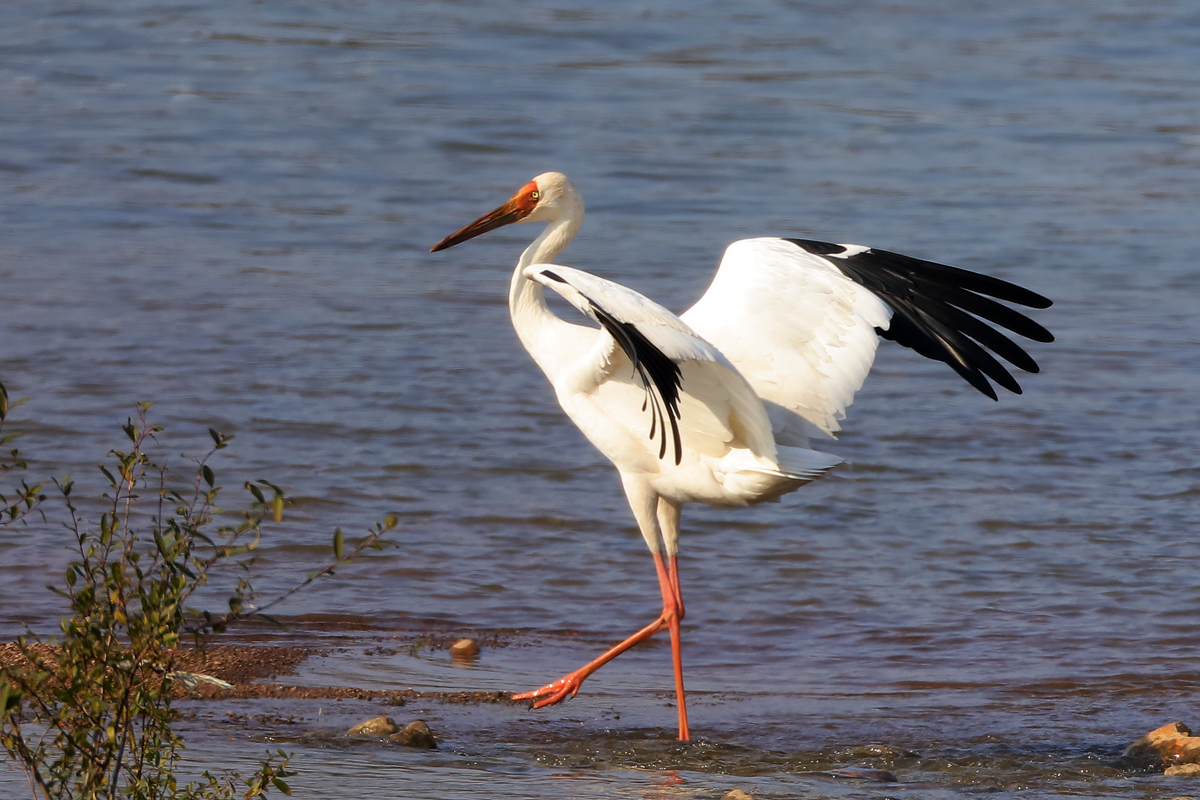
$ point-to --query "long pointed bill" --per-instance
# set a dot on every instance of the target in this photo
(515, 210)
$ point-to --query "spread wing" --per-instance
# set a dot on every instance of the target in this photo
(801, 320)
(651, 362)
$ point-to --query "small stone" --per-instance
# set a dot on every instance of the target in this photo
(415, 734)
(1171, 744)
(376, 726)
(737, 794)
(1185, 770)
(464, 649)
(863, 774)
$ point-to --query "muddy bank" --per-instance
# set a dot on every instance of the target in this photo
(251, 670)
(236, 665)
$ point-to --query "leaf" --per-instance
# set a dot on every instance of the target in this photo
(254, 490)
(277, 506)
(10, 699)
(271, 620)
(390, 521)
(339, 544)
(3, 402)
(281, 786)
(209, 478)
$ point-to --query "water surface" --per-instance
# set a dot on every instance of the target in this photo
(225, 208)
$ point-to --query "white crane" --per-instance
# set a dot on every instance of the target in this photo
(717, 405)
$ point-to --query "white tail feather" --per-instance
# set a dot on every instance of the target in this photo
(804, 463)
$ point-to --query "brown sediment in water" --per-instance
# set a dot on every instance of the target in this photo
(244, 666)
(259, 691)
(236, 665)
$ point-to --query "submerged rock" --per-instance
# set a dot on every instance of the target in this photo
(464, 649)
(1170, 744)
(1185, 770)
(862, 774)
(376, 726)
(737, 794)
(415, 734)
(877, 751)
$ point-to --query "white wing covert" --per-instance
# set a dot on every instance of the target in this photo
(694, 395)
(800, 331)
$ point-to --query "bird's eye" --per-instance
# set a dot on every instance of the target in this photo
(534, 195)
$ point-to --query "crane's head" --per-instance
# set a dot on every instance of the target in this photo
(546, 198)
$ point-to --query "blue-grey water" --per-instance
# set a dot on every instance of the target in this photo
(225, 208)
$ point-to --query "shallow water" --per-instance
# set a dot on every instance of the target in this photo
(226, 209)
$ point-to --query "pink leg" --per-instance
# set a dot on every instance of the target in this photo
(569, 684)
(677, 593)
(676, 651)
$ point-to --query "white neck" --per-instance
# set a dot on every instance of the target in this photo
(531, 316)
(552, 241)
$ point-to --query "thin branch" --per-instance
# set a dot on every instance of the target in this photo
(234, 617)
(29, 762)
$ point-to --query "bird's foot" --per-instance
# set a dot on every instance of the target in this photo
(556, 692)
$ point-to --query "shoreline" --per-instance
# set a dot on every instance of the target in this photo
(243, 665)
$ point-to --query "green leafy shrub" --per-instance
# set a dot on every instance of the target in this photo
(89, 717)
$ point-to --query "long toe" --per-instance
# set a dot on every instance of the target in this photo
(557, 697)
(551, 693)
(536, 694)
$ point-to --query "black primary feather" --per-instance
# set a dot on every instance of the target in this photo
(932, 306)
(660, 376)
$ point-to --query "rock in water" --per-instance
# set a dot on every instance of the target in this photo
(464, 650)
(1170, 744)
(415, 734)
(863, 774)
(737, 794)
(1185, 770)
(376, 726)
